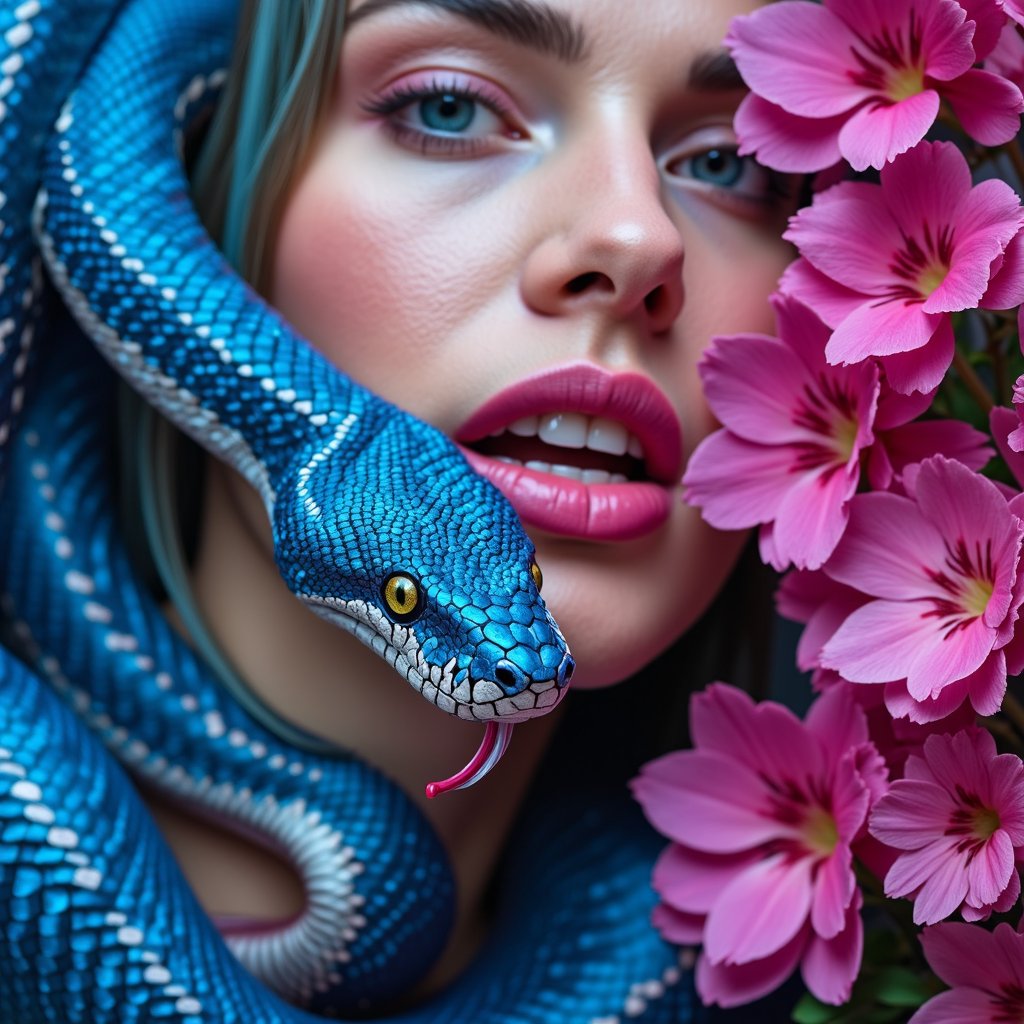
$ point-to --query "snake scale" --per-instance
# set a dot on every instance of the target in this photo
(96, 922)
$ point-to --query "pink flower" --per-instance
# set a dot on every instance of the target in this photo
(942, 567)
(985, 970)
(864, 81)
(795, 428)
(1007, 59)
(919, 246)
(1015, 9)
(762, 815)
(959, 815)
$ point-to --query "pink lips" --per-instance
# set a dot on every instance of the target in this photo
(569, 507)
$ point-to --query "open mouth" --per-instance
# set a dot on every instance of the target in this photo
(580, 451)
(591, 450)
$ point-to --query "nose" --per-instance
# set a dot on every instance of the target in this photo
(610, 242)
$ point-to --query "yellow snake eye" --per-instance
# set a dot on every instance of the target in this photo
(538, 576)
(402, 596)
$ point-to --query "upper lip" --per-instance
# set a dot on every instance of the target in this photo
(630, 398)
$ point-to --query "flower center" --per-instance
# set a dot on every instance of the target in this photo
(904, 82)
(931, 278)
(820, 832)
(975, 596)
(845, 433)
(986, 823)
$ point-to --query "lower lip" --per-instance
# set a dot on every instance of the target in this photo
(573, 509)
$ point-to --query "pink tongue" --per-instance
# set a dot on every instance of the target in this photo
(492, 746)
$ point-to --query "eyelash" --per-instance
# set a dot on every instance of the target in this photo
(404, 96)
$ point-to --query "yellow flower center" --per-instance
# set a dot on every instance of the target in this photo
(904, 83)
(975, 596)
(931, 278)
(820, 832)
(986, 822)
(844, 432)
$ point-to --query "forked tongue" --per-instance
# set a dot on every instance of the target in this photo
(493, 745)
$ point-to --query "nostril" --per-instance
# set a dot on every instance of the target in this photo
(582, 282)
(506, 678)
(565, 670)
(654, 300)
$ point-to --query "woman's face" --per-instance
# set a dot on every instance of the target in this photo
(531, 216)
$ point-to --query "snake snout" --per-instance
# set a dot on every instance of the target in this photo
(512, 679)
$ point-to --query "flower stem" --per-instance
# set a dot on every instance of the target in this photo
(1014, 710)
(1013, 151)
(974, 384)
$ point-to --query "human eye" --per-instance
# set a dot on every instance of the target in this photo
(445, 114)
(717, 168)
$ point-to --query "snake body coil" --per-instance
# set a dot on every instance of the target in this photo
(97, 923)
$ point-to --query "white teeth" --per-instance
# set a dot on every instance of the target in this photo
(585, 476)
(539, 467)
(574, 430)
(564, 429)
(526, 427)
(607, 436)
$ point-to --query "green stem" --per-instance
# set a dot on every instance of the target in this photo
(974, 384)
(1014, 711)
(1013, 151)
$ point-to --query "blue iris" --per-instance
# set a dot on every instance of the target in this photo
(447, 112)
(723, 167)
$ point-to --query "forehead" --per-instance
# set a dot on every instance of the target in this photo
(593, 28)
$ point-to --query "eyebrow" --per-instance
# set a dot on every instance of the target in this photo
(526, 22)
(715, 71)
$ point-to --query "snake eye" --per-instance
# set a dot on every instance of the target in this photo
(538, 576)
(402, 597)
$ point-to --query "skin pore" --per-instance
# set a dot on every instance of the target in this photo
(496, 194)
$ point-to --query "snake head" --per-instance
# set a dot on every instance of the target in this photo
(394, 538)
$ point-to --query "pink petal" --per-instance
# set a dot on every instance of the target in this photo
(830, 965)
(678, 927)
(812, 516)
(1002, 422)
(958, 1006)
(691, 881)
(926, 186)
(915, 442)
(797, 56)
(767, 738)
(754, 384)
(922, 369)
(989, 19)
(961, 761)
(833, 890)
(944, 887)
(986, 687)
(734, 985)
(760, 911)
(850, 210)
(737, 484)
(946, 657)
(901, 704)
(878, 133)
(911, 815)
(964, 954)
(1006, 289)
(881, 642)
(888, 549)
(988, 874)
(831, 301)
(837, 721)
(986, 104)
(784, 141)
(706, 801)
(882, 329)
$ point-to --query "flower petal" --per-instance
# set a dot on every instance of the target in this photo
(922, 369)
(987, 105)
(691, 881)
(784, 141)
(912, 815)
(796, 55)
(760, 911)
(878, 133)
(736, 984)
(830, 965)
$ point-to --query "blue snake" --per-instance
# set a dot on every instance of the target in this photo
(378, 525)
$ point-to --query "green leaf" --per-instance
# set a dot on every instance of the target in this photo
(901, 987)
(811, 1011)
